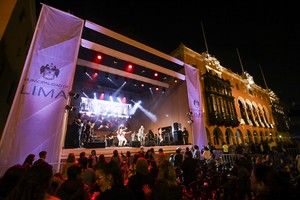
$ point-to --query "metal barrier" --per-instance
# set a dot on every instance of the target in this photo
(230, 158)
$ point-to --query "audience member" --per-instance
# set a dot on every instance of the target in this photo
(34, 184)
(196, 152)
(111, 183)
(166, 186)
(83, 160)
(42, 158)
(178, 158)
(10, 179)
(28, 162)
(140, 179)
(189, 167)
(93, 159)
(73, 187)
(161, 157)
(69, 162)
(102, 159)
(117, 158)
(267, 184)
(206, 153)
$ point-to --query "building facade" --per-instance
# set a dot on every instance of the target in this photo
(236, 111)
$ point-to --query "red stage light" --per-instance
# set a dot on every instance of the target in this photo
(101, 96)
(99, 57)
(95, 75)
(129, 67)
(155, 74)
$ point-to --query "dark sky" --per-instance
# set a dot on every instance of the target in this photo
(266, 35)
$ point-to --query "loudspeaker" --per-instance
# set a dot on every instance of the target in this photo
(175, 126)
(97, 144)
(150, 143)
(135, 143)
(178, 137)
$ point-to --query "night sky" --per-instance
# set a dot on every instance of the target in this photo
(266, 35)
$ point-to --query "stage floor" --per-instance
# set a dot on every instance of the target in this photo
(108, 151)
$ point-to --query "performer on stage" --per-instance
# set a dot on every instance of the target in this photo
(110, 139)
(78, 131)
(151, 135)
(141, 135)
(160, 135)
(86, 131)
(121, 136)
(185, 136)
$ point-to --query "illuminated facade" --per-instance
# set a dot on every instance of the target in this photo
(236, 109)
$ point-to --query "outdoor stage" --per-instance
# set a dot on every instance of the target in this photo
(108, 151)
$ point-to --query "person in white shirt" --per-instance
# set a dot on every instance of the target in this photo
(141, 135)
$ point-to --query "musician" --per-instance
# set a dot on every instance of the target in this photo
(151, 135)
(160, 135)
(110, 139)
(141, 135)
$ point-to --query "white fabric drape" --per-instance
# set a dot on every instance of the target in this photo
(195, 104)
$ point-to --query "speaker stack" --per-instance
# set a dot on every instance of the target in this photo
(135, 144)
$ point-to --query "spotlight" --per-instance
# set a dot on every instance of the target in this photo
(190, 122)
(115, 61)
(95, 74)
(189, 113)
(74, 95)
(175, 80)
(69, 108)
(107, 75)
(129, 68)
(99, 57)
(163, 90)
(156, 74)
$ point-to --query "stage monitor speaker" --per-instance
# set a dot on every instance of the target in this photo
(150, 143)
(135, 144)
(97, 144)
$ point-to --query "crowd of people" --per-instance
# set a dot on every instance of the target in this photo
(192, 173)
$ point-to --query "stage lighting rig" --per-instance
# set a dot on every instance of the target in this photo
(189, 113)
(74, 95)
(70, 108)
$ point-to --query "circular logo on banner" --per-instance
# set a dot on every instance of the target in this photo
(196, 103)
(49, 72)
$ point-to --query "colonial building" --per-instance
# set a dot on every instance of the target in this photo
(236, 109)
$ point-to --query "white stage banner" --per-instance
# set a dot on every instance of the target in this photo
(36, 119)
(195, 104)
